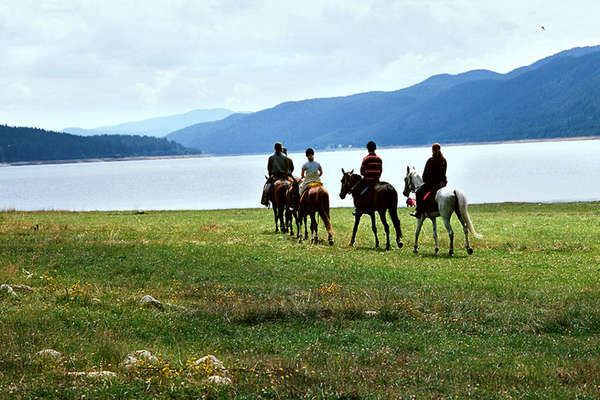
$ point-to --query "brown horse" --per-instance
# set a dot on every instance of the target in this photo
(292, 198)
(380, 197)
(276, 196)
(314, 200)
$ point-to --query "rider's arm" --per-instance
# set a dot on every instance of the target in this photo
(302, 173)
(320, 170)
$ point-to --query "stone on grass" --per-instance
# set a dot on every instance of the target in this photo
(8, 290)
(22, 288)
(94, 374)
(95, 300)
(149, 301)
(214, 362)
(218, 380)
(49, 353)
(371, 313)
(132, 359)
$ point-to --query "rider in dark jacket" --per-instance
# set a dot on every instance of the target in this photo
(434, 177)
(278, 167)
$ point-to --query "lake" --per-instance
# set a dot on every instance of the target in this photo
(531, 172)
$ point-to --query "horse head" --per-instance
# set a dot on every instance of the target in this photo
(412, 181)
(349, 180)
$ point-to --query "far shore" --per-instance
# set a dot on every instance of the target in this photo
(110, 159)
(106, 159)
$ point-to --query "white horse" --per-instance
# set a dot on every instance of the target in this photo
(449, 201)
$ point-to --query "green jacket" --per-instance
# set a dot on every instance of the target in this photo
(278, 165)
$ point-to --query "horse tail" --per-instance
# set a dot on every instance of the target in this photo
(393, 209)
(462, 210)
(323, 208)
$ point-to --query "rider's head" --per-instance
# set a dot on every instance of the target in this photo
(284, 150)
(278, 147)
(310, 154)
(436, 150)
(371, 146)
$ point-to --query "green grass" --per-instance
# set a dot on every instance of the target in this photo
(520, 318)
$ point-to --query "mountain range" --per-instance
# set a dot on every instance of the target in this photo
(157, 127)
(558, 96)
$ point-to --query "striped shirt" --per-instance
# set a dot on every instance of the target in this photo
(371, 168)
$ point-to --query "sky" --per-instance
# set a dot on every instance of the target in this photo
(91, 63)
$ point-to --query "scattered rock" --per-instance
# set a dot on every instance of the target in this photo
(94, 374)
(149, 301)
(22, 288)
(132, 359)
(49, 353)
(95, 300)
(371, 313)
(212, 361)
(8, 289)
(218, 380)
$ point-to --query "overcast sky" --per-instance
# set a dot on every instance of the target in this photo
(91, 63)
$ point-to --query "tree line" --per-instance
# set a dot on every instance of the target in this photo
(21, 144)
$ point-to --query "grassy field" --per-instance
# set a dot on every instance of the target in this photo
(520, 318)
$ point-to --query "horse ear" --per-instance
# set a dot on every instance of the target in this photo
(343, 172)
(266, 177)
(407, 170)
(351, 171)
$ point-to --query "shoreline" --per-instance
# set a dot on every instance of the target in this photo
(105, 159)
(141, 158)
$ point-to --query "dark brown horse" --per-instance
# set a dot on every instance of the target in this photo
(276, 196)
(314, 200)
(292, 198)
(380, 197)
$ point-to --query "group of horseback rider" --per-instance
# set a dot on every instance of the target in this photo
(280, 166)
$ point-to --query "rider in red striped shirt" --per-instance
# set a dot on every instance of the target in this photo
(370, 169)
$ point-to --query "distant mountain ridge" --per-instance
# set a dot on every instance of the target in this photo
(558, 96)
(158, 126)
(18, 144)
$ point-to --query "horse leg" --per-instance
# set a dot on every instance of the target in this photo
(324, 213)
(396, 223)
(435, 236)
(446, 219)
(276, 220)
(305, 227)
(417, 232)
(466, 231)
(313, 229)
(374, 228)
(386, 227)
(356, 221)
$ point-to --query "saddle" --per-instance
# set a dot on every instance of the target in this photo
(429, 205)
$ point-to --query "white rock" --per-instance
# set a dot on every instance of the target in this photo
(95, 300)
(212, 360)
(371, 313)
(94, 374)
(22, 288)
(149, 301)
(132, 359)
(51, 353)
(218, 380)
(8, 289)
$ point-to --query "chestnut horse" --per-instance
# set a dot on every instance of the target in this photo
(276, 196)
(314, 200)
(380, 197)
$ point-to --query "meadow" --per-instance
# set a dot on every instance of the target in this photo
(520, 318)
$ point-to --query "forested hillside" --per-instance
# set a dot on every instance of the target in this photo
(33, 144)
(551, 98)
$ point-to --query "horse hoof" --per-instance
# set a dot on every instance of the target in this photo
(331, 242)
(437, 250)
(415, 251)
(400, 245)
(450, 253)
(469, 251)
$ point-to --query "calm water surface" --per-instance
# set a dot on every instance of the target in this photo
(533, 172)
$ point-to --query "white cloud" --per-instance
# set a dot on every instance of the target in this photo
(102, 62)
